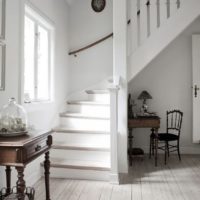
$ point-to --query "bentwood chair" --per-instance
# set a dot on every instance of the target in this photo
(169, 141)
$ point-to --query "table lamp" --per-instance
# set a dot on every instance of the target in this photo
(144, 96)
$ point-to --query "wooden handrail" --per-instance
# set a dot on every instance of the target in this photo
(94, 43)
(90, 45)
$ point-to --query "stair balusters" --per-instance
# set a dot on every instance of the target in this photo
(168, 8)
(134, 26)
(147, 16)
(178, 4)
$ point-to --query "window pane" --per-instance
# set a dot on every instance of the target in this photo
(29, 34)
(43, 64)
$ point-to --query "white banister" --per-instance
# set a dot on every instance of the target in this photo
(134, 25)
(129, 28)
(114, 172)
(158, 12)
(153, 16)
(146, 17)
(163, 11)
(138, 22)
(143, 21)
(173, 7)
(178, 4)
(168, 8)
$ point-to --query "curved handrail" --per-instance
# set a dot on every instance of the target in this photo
(94, 43)
(90, 45)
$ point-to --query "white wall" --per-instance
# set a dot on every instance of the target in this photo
(87, 26)
(168, 78)
(42, 116)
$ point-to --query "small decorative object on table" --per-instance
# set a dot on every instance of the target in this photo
(144, 96)
(13, 119)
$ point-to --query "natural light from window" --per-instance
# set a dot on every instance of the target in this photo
(37, 60)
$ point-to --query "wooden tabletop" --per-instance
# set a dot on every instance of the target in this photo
(18, 141)
(144, 122)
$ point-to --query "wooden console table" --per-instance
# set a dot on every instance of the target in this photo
(143, 122)
(21, 150)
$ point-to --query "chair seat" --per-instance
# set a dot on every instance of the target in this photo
(167, 137)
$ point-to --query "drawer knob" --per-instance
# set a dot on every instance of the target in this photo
(38, 148)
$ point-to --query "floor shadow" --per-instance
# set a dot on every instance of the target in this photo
(144, 167)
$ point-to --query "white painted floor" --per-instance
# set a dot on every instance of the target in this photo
(175, 181)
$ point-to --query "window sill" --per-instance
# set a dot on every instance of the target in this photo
(37, 105)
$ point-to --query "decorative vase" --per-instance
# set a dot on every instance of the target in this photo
(13, 119)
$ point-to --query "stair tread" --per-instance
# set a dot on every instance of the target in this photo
(79, 164)
(86, 147)
(97, 91)
(80, 115)
(95, 103)
(68, 130)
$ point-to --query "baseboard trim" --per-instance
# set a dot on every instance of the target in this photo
(33, 178)
(114, 178)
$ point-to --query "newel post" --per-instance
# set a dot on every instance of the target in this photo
(120, 70)
(114, 172)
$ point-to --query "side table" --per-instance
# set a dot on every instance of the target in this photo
(19, 151)
(143, 122)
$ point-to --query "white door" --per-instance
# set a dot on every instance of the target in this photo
(195, 87)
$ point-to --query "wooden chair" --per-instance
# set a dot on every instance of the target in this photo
(173, 130)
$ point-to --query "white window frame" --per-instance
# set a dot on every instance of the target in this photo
(40, 20)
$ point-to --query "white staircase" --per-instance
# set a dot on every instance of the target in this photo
(157, 24)
(81, 144)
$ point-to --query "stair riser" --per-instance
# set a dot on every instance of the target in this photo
(91, 110)
(99, 97)
(85, 124)
(78, 174)
(95, 140)
(80, 155)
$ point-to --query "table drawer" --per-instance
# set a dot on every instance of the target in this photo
(37, 147)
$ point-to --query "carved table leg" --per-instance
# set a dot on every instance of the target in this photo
(130, 139)
(21, 185)
(151, 148)
(8, 180)
(46, 174)
(156, 147)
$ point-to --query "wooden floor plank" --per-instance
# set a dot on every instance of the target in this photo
(174, 189)
(174, 181)
(75, 195)
(106, 191)
(135, 172)
(68, 190)
(183, 176)
(92, 191)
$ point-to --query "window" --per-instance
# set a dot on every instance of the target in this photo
(37, 58)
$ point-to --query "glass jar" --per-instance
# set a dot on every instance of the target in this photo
(13, 118)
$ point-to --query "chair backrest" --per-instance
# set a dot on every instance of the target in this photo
(174, 121)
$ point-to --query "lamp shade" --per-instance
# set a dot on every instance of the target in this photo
(144, 95)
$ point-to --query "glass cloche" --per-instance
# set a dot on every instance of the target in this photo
(13, 119)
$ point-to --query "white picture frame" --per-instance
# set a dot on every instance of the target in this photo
(2, 65)
(2, 19)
